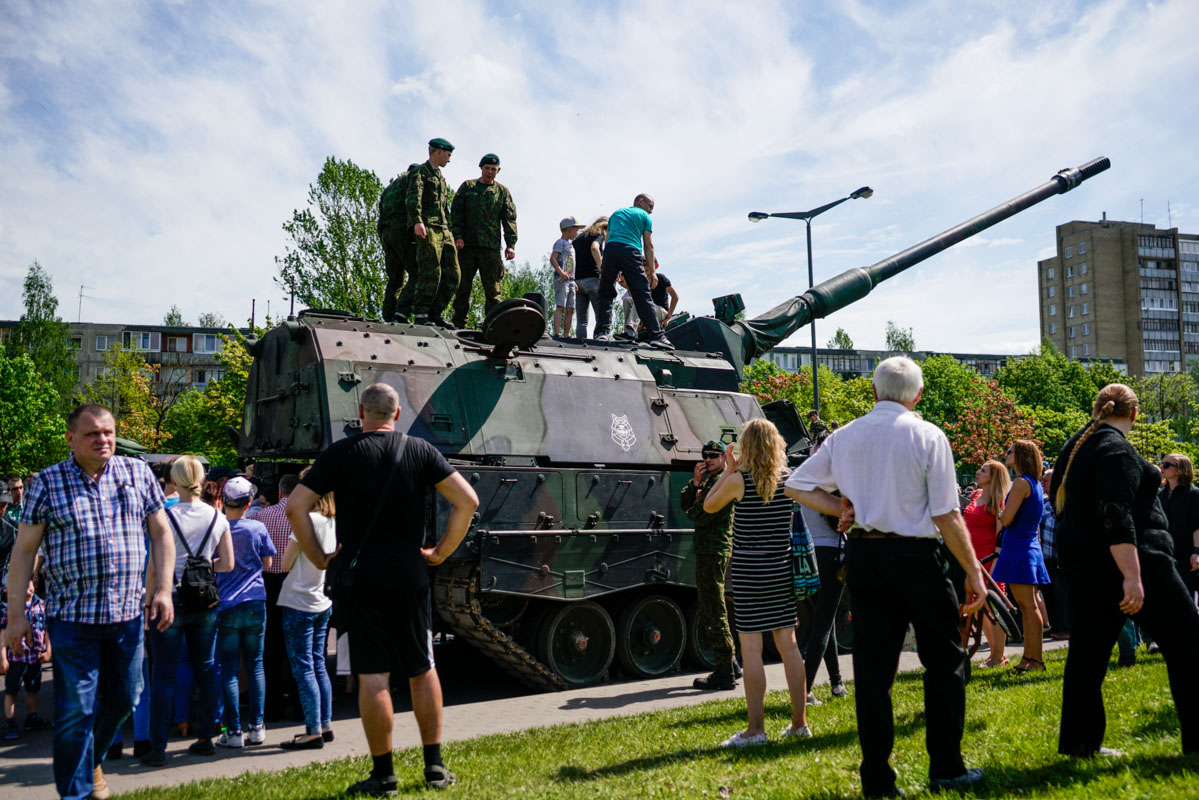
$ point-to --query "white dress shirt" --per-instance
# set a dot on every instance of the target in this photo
(895, 468)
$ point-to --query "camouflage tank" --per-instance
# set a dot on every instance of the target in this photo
(579, 554)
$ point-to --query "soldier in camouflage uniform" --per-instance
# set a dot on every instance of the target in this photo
(480, 208)
(399, 248)
(713, 548)
(428, 205)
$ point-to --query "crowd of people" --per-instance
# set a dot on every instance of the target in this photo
(200, 571)
(434, 246)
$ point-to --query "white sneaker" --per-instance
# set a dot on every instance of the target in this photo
(256, 734)
(228, 739)
(839, 690)
(802, 733)
(739, 739)
(813, 700)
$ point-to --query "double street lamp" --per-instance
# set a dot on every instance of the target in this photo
(807, 217)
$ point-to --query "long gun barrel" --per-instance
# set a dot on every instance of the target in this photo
(760, 334)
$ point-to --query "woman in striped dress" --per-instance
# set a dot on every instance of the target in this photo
(761, 572)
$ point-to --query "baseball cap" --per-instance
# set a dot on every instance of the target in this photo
(569, 222)
(239, 491)
(5, 496)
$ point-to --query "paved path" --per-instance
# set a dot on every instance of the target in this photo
(25, 764)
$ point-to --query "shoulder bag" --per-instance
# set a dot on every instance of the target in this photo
(805, 576)
(339, 580)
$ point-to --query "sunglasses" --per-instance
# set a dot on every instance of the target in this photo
(1168, 464)
(712, 454)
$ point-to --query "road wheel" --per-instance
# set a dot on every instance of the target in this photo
(651, 636)
(577, 641)
(699, 651)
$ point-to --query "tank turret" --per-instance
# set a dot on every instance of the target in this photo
(580, 556)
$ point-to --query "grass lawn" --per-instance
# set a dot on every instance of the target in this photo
(1011, 731)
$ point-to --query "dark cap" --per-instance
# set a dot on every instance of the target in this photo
(441, 144)
(220, 473)
(5, 496)
(490, 158)
(717, 446)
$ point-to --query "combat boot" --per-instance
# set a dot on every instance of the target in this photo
(722, 678)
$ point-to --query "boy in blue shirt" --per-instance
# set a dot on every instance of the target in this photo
(25, 667)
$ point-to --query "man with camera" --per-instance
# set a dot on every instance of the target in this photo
(379, 570)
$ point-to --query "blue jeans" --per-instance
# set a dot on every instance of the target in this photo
(89, 661)
(242, 628)
(199, 628)
(141, 709)
(305, 634)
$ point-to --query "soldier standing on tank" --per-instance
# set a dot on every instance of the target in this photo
(428, 204)
(480, 208)
(399, 248)
(713, 548)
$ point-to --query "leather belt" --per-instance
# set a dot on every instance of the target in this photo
(862, 533)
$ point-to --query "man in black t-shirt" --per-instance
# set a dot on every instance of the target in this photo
(388, 605)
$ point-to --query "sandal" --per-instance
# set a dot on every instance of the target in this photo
(1023, 668)
(988, 665)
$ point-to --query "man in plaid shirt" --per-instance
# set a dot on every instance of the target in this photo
(280, 685)
(92, 512)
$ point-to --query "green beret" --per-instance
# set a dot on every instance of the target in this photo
(490, 158)
(717, 446)
(441, 144)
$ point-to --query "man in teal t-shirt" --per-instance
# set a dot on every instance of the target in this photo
(630, 252)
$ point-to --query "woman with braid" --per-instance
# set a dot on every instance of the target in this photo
(1115, 549)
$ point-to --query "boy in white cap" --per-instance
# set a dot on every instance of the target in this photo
(562, 259)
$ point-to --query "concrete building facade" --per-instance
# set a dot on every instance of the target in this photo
(861, 363)
(1126, 291)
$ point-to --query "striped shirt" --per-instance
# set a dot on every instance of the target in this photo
(274, 517)
(95, 539)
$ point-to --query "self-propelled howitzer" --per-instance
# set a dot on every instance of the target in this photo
(580, 554)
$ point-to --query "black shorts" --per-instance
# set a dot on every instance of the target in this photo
(18, 673)
(390, 628)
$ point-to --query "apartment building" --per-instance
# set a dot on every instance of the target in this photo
(1124, 291)
(861, 363)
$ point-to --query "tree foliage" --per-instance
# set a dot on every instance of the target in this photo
(840, 400)
(174, 318)
(987, 423)
(31, 421)
(334, 258)
(1052, 428)
(43, 335)
(948, 386)
(900, 340)
(200, 421)
(840, 341)
(141, 395)
(211, 319)
(1048, 380)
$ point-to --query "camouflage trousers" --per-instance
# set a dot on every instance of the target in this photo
(436, 273)
(487, 262)
(713, 616)
(399, 259)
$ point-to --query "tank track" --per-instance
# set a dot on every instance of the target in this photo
(456, 594)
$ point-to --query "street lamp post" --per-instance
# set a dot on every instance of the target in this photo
(807, 217)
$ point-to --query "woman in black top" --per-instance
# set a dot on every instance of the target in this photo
(589, 252)
(1180, 499)
(1116, 552)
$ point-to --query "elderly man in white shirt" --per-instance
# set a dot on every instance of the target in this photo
(896, 478)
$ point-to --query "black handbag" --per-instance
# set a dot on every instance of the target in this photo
(196, 590)
(339, 580)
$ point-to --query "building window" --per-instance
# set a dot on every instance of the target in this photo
(1049, 274)
(1086, 309)
(1086, 328)
(103, 343)
(76, 342)
(1069, 271)
(1069, 292)
(143, 340)
(205, 343)
(1072, 353)
(1082, 268)
(1052, 291)
(1052, 328)
(1053, 309)
(1073, 330)
(1086, 349)
(1069, 251)
(1070, 312)
(176, 344)
(1082, 248)
(1083, 288)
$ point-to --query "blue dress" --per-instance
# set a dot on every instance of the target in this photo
(1021, 560)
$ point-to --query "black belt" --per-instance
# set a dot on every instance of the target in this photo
(856, 534)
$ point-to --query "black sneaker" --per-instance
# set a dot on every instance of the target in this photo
(970, 779)
(327, 735)
(141, 747)
(716, 681)
(374, 787)
(625, 336)
(202, 747)
(736, 669)
(439, 776)
(116, 751)
(10, 729)
(155, 758)
(36, 722)
(661, 342)
(440, 321)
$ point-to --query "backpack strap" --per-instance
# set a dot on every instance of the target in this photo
(208, 533)
(179, 533)
(383, 494)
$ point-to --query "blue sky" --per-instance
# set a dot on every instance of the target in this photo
(151, 151)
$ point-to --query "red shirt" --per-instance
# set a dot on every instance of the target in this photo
(981, 524)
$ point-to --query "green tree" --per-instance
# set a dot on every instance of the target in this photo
(45, 337)
(31, 421)
(900, 340)
(174, 318)
(1104, 372)
(141, 395)
(1048, 380)
(1169, 397)
(1152, 439)
(840, 400)
(199, 421)
(334, 258)
(948, 386)
(840, 341)
(211, 319)
(1053, 428)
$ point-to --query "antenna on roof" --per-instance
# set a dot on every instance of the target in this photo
(253, 302)
(1169, 215)
(79, 311)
